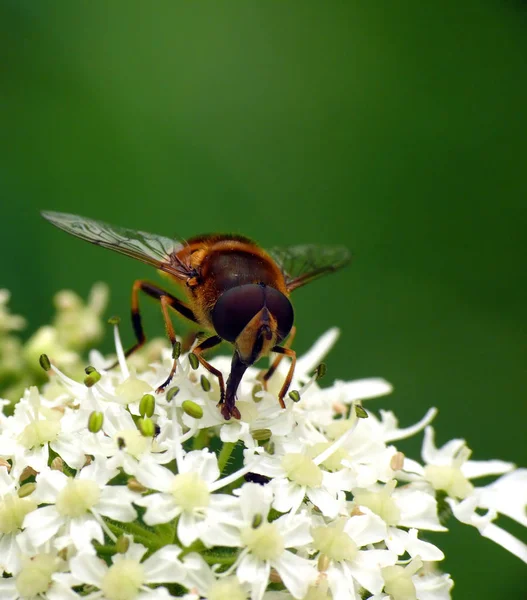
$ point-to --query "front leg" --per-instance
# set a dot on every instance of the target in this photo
(287, 382)
(206, 345)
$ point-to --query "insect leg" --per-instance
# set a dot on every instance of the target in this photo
(287, 382)
(157, 293)
(206, 345)
(165, 303)
(264, 377)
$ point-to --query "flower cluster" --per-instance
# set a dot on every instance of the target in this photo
(111, 491)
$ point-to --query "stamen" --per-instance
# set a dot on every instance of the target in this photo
(120, 352)
(339, 443)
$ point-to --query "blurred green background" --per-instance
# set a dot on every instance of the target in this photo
(398, 129)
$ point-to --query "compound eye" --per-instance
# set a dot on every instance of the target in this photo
(235, 308)
(281, 309)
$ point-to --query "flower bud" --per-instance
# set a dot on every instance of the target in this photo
(193, 360)
(294, 395)
(192, 409)
(147, 405)
(95, 421)
(44, 362)
(146, 427)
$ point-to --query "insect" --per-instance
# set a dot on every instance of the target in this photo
(234, 289)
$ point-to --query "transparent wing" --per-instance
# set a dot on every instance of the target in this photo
(155, 250)
(302, 264)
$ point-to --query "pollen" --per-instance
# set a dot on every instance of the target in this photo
(13, 511)
(381, 503)
(190, 491)
(449, 479)
(77, 497)
(302, 470)
(35, 576)
(38, 433)
(132, 390)
(135, 444)
(226, 589)
(334, 543)
(264, 542)
(123, 580)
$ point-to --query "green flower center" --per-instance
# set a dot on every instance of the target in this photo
(77, 497)
(38, 433)
(449, 479)
(381, 503)
(190, 491)
(302, 470)
(35, 577)
(123, 580)
(334, 543)
(265, 542)
(12, 512)
(226, 589)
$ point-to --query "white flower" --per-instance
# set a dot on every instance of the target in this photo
(265, 545)
(508, 496)
(127, 578)
(75, 506)
(349, 567)
(13, 509)
(189, 496)
(38, 578)
(340, 516)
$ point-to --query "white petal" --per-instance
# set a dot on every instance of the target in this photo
(99, 471)
(164, 566)
(87, 568)
(204, 463)
(160, 508)
(400, 434)
(8, 589)
(341, 582)
(83, 530)
(439, 456)
(286, 494)
(255, 499)
(67, 447)
(255, 572)
(49, 484)
(9, 554)
(507, 495)
(414, 546)
(366, 568)
(296, 572)
(363, 389)
(295, 530)
(189, 528)
(154, 476)
(313, 357)
(506, 540)
(42, 524)
(366, 529)
(433, 586)
(480, 468)
(116, 502)
(418, 509)
(327, 503)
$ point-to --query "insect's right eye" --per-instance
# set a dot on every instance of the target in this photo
(235, 308)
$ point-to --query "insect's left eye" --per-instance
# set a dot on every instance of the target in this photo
(235, 308)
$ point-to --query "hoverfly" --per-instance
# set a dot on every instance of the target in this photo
(235, 290)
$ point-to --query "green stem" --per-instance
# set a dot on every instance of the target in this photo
(139, 534)
(219, 559)
(225, 454)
